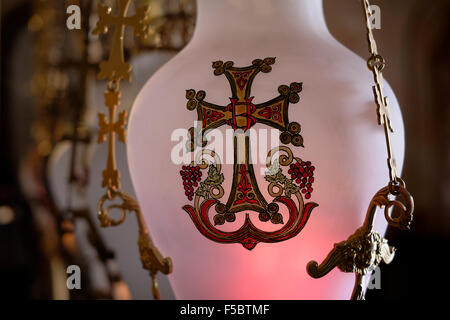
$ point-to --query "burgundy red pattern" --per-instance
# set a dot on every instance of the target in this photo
(273, 112)
(303, 175)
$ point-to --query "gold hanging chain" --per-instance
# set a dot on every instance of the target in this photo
(115, 69)
(376, 64)
(363, 251)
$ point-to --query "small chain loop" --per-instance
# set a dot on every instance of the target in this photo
(376, 61)
(113, 85)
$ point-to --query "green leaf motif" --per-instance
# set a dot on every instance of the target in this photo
(278, 177)
(203, 191)
(290, 188)
(214, 177)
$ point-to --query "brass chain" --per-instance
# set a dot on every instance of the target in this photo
(376, 64)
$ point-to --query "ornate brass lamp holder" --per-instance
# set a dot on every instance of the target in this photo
(363, 251)
(115, 69)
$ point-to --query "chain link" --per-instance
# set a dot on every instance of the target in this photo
(376, 64)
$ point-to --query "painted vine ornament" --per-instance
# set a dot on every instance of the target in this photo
(202, 179)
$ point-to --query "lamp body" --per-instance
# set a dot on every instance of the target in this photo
(341, 138)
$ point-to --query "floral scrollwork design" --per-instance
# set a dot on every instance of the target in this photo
(208, 192)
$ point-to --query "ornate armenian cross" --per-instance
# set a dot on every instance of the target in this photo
(241, 114)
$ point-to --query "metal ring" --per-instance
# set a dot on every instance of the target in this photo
(377, 61)
(395, 185)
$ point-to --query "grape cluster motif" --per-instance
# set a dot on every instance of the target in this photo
(191, 177)
(302, 173)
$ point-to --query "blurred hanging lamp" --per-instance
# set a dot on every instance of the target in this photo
(169, 29)
(114, 70)
(263, 229)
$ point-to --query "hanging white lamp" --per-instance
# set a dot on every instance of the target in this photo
(319, 85)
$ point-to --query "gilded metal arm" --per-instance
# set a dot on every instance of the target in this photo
(363, 251)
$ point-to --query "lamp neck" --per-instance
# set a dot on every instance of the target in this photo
(237, 20)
